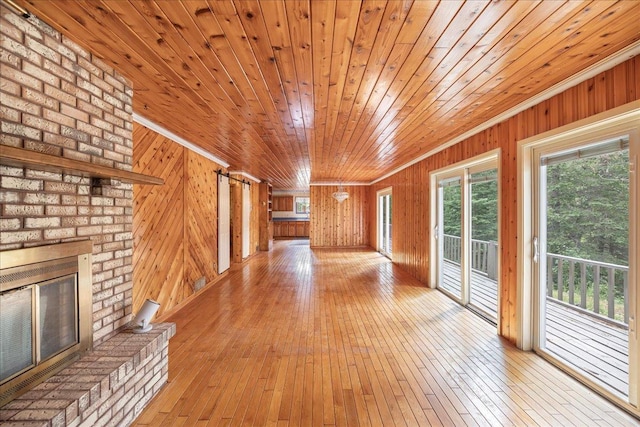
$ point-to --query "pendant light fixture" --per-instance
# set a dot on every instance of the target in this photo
(340, 195)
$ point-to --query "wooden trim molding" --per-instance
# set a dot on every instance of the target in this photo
(246, 175)
(20, 157)
(175, 138)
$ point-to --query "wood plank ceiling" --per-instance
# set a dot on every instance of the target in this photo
(293, 91)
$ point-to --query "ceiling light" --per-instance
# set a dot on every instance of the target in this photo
(340, 195)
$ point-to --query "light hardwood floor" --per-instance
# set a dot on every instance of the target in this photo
(343, 337)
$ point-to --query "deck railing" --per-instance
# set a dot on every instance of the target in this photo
(484, 255)
(595, 287)
(598, 287)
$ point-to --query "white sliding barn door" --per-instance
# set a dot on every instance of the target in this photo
(246, 215)
(224, 224)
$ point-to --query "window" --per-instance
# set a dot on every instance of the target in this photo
(302, 205)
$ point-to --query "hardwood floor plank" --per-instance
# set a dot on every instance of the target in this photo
(301, 337)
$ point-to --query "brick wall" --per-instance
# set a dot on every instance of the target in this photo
(57, 98)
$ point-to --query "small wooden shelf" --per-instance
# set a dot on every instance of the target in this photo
(19, 157)
(265, 217)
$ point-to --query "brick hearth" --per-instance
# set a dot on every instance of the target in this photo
(107, 387)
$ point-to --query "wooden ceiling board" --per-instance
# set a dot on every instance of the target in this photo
(416, 131)
(293, 91)
(526, 85)
(367, 28)
(323, 27)
(175, 88)
(288, 101)
(488, 37)
(346, 24)
(244, 28)
(409, 74)
(260, 71)
(433, 101)
(391, 24)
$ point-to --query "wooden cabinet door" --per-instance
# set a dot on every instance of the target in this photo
(283, 204)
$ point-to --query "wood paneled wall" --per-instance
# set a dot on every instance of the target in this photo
(411, 197)
(201, 218)
(175, 224)
(339, 224)
(158, 222)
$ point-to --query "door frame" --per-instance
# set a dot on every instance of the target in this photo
(224, 221)
(624, 120)
(380, 193)
(488, 160)
(246, 220)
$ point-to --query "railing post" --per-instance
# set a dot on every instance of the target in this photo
(572, 285)
(596, 290)
(550, 276)
(611, 306)
(492, 260)
(560, 281)
(625, 291)
(583, 285)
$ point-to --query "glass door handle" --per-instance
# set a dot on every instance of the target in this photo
(536, 251)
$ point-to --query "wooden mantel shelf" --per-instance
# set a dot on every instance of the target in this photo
(20, 157)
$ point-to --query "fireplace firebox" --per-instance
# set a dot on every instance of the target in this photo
(45, 313)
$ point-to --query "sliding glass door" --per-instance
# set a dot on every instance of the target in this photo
(466, 235)
(450, 236)
(582, 235)
(384, 222)
(483, 272)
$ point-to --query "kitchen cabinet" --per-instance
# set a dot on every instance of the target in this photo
(290, 229)
(283, 204)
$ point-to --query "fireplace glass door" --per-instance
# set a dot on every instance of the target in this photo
(45, 313)
(58, 315)
(38, 322)
(16, 332)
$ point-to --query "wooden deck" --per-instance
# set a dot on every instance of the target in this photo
(598, 348)
(484, 291)
(301, 337)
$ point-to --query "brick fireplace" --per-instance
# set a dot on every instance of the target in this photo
(59, 99)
